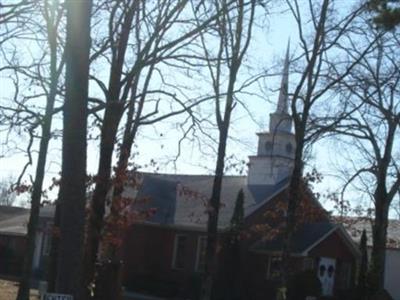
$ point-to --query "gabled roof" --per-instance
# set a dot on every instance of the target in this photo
(355, 226)
(14, 220)
(7, 212)
(302, 240)
(306, 238)
(181, 200)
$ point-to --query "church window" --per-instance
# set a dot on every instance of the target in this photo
(268, 147)
(274, 267)
(289, 148)
(201, 253)
(178, 260)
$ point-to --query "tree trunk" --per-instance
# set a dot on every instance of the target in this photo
(23, 291)
(112, 118)
(363, 269)
(293, 199)
(379, 234)
(106, 284)
(24, 285)
(109, 281)
(213, 212)
(55, 240)
(95, 224)
(73, 175)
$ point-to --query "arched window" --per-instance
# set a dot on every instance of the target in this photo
(268, 147)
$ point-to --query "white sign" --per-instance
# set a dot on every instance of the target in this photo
(51, 296)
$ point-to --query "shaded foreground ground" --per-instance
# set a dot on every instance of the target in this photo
(9, 289)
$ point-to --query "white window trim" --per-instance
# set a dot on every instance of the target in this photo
(46, 242)
(177, 236)
(203, 237)
(268, 275)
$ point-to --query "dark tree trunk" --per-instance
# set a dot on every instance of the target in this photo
(112, 117)
(55, 240)
(23, 291)
(213, 212)
(238, 49)
(95, 226)
(363, 269)
(300, 124)
(113, 261)
(293, 199)
(379, 234)
(382, 199)
(108, 279)
(73, 175)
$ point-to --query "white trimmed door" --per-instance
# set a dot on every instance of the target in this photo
(326, 274)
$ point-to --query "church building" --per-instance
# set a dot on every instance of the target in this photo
(167, 251)
(164, 255)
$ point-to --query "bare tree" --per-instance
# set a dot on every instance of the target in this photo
(232, 35)
(52, 15)
(32, 106)
(13, 18)
(72, 194)
(322, 64)
(141, 37)
(373, 131)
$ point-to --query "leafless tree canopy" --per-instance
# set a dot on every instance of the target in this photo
(181, 61)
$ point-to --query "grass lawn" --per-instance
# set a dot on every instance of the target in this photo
(9, 289)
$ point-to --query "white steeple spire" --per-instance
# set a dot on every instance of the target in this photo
(282, 106)
(280, 120)
(276, 148)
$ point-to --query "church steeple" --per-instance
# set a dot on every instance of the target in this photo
(280, 120)
(276, 147)
(282, 106)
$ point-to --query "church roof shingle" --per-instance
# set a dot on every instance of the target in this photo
(182, 199)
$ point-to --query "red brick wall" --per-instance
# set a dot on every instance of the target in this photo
(12, 249)
(148, 253)
(333, 246)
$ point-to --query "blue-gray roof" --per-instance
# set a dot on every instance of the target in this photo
(182, 199)
(304, 237)
(14, 220)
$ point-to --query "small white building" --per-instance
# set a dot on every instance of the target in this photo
(355, 226)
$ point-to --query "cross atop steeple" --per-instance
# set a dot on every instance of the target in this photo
(282, 106)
